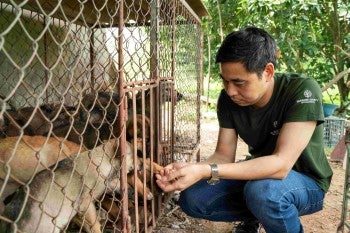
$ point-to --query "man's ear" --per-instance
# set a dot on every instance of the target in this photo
(269, 71)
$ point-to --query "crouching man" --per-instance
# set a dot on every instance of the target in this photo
(280, 117)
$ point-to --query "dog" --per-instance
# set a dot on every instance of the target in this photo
(144, 177)
(53, 200)
(22, 157)
(96, 122)
(34, 121)
(25, 161)
(87, 134)
(94, 108)
(143, 133)
(167, 94)
(104, 103)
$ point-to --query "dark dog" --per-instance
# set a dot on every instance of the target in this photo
(103, 105)
(167, 94)
(95, 109)
(96, 123)
(34, 121)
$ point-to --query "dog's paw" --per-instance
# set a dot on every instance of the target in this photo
(150, 196)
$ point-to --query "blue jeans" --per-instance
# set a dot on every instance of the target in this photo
(277, 204)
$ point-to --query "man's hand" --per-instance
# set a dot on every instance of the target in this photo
(179, 176)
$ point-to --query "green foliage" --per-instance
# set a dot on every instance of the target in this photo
(313, 35)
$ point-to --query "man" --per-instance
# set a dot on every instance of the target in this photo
(280, 117)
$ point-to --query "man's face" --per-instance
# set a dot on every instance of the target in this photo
(246, 88)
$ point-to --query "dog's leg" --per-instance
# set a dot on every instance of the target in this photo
(10, 188)
(156, 166)
(149, 166)
(139, 186)
(111, 207)
(91, 224)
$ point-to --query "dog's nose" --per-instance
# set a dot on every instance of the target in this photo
(139, 153)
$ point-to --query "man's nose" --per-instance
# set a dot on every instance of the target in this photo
(231, 89)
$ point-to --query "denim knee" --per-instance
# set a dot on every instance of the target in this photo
(190, 204)
(264, 200)
(273, 204)
(221, 202)
(260, 195)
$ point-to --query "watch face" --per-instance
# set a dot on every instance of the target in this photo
(213, 182)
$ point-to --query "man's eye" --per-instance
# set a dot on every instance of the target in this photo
(240, 83)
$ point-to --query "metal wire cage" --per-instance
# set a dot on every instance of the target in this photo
(95, 97)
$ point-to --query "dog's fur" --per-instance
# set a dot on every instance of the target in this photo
(143, 177)
(143, 133)
(87, 134)
(34, 121)
(90, 127)
(93, 109)
(22, 157)
(96, 122)
(102, 102)
(166, 95)
(76, 184)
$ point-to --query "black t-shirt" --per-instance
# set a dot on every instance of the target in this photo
(294, 99)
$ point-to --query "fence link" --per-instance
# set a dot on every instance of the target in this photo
(95, 97)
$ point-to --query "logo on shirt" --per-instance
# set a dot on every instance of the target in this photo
(276, 131)
(275, 124)
(307, 93)
(307, 99)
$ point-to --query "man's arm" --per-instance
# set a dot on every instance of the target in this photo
(179, 176)
(292, 140)
(226, 146)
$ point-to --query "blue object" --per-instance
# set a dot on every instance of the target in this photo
(328, 109)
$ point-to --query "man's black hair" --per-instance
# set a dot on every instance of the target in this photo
(252, 46)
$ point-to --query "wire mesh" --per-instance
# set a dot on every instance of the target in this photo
(95, 96)
(333, 130)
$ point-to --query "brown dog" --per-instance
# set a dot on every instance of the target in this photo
(143, 133)
(37, 153)
(140, 181)
(22, 157)
(76, 184)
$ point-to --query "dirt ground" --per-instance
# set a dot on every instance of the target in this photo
(326, 221)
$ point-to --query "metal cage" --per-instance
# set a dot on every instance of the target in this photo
(96, 95)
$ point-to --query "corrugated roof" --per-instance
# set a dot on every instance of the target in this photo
(103, 11)
(198, 7)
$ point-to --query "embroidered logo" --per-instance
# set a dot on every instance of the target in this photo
(307, 99)
(276, 131)
(275, 124)
(307, 93)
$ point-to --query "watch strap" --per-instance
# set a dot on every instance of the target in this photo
(214, 174)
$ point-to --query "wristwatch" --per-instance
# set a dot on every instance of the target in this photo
(214, 174)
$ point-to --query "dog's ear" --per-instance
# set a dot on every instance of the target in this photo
(179, 96)
(104, 103)
(129, 130)
(147, 121)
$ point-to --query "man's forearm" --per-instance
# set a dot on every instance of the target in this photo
(219, 159)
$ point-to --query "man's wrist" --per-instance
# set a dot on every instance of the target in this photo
(207, 171)
(214, 174)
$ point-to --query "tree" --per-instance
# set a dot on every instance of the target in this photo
(313, 35)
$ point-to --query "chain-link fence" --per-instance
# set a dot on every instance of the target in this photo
(95, 97)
